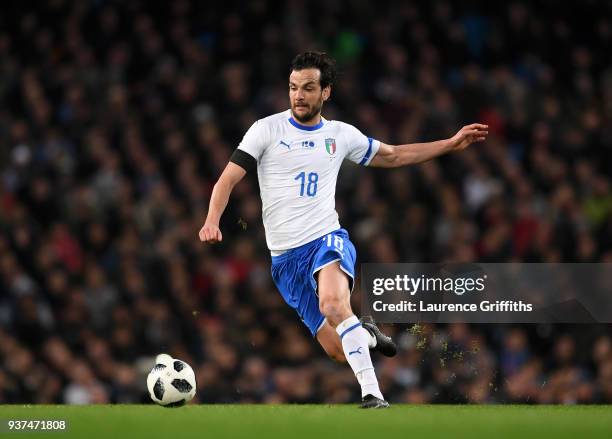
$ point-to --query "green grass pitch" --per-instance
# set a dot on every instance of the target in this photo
(317, 421)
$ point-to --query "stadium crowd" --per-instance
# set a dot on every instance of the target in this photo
(117, 117)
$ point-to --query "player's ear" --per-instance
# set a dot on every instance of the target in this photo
(326, 92)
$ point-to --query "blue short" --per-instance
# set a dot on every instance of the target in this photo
(294, 273)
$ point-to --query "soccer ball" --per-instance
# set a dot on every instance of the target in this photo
(171, 382)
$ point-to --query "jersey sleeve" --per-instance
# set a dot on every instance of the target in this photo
(254, 140)
(361, 149)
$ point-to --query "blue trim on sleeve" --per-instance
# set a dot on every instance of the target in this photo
(366, 157)
(298, 125)
(356, 325)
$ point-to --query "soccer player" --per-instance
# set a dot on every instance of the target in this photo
(297, 155)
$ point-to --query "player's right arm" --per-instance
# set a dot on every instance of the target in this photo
(243, 160)
(230, 177)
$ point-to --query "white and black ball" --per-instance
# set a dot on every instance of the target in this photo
(171, 382)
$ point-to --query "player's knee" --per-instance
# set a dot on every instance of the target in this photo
(333, 308)
(330, 306)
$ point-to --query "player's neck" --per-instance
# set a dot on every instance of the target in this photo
(309, 123)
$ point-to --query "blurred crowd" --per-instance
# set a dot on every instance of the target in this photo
(117, 117)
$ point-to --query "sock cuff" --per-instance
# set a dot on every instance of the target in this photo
(348, 325)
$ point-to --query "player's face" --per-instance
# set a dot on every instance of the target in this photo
(306, 95)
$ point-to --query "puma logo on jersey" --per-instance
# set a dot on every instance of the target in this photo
(286, 144)
(357, 351)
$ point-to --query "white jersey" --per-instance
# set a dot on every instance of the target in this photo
(297, 168)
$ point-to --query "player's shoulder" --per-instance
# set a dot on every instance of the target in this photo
(273, 120)
(342, 127)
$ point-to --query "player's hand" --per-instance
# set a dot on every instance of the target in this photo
(467, 135)
(210, 233)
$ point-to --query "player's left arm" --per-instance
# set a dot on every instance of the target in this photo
(394, 156)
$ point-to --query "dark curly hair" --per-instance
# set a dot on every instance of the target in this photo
(316, 60)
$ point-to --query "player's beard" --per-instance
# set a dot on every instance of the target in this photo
(309, 116)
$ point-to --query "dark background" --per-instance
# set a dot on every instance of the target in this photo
(117, 117)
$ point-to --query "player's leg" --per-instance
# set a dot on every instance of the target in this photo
(334, 294)
(334, 303)
(329, 340)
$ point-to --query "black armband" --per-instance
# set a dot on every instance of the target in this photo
(245, 160)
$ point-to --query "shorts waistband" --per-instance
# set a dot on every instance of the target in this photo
(287, 254)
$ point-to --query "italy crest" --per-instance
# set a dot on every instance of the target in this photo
(330, 146)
